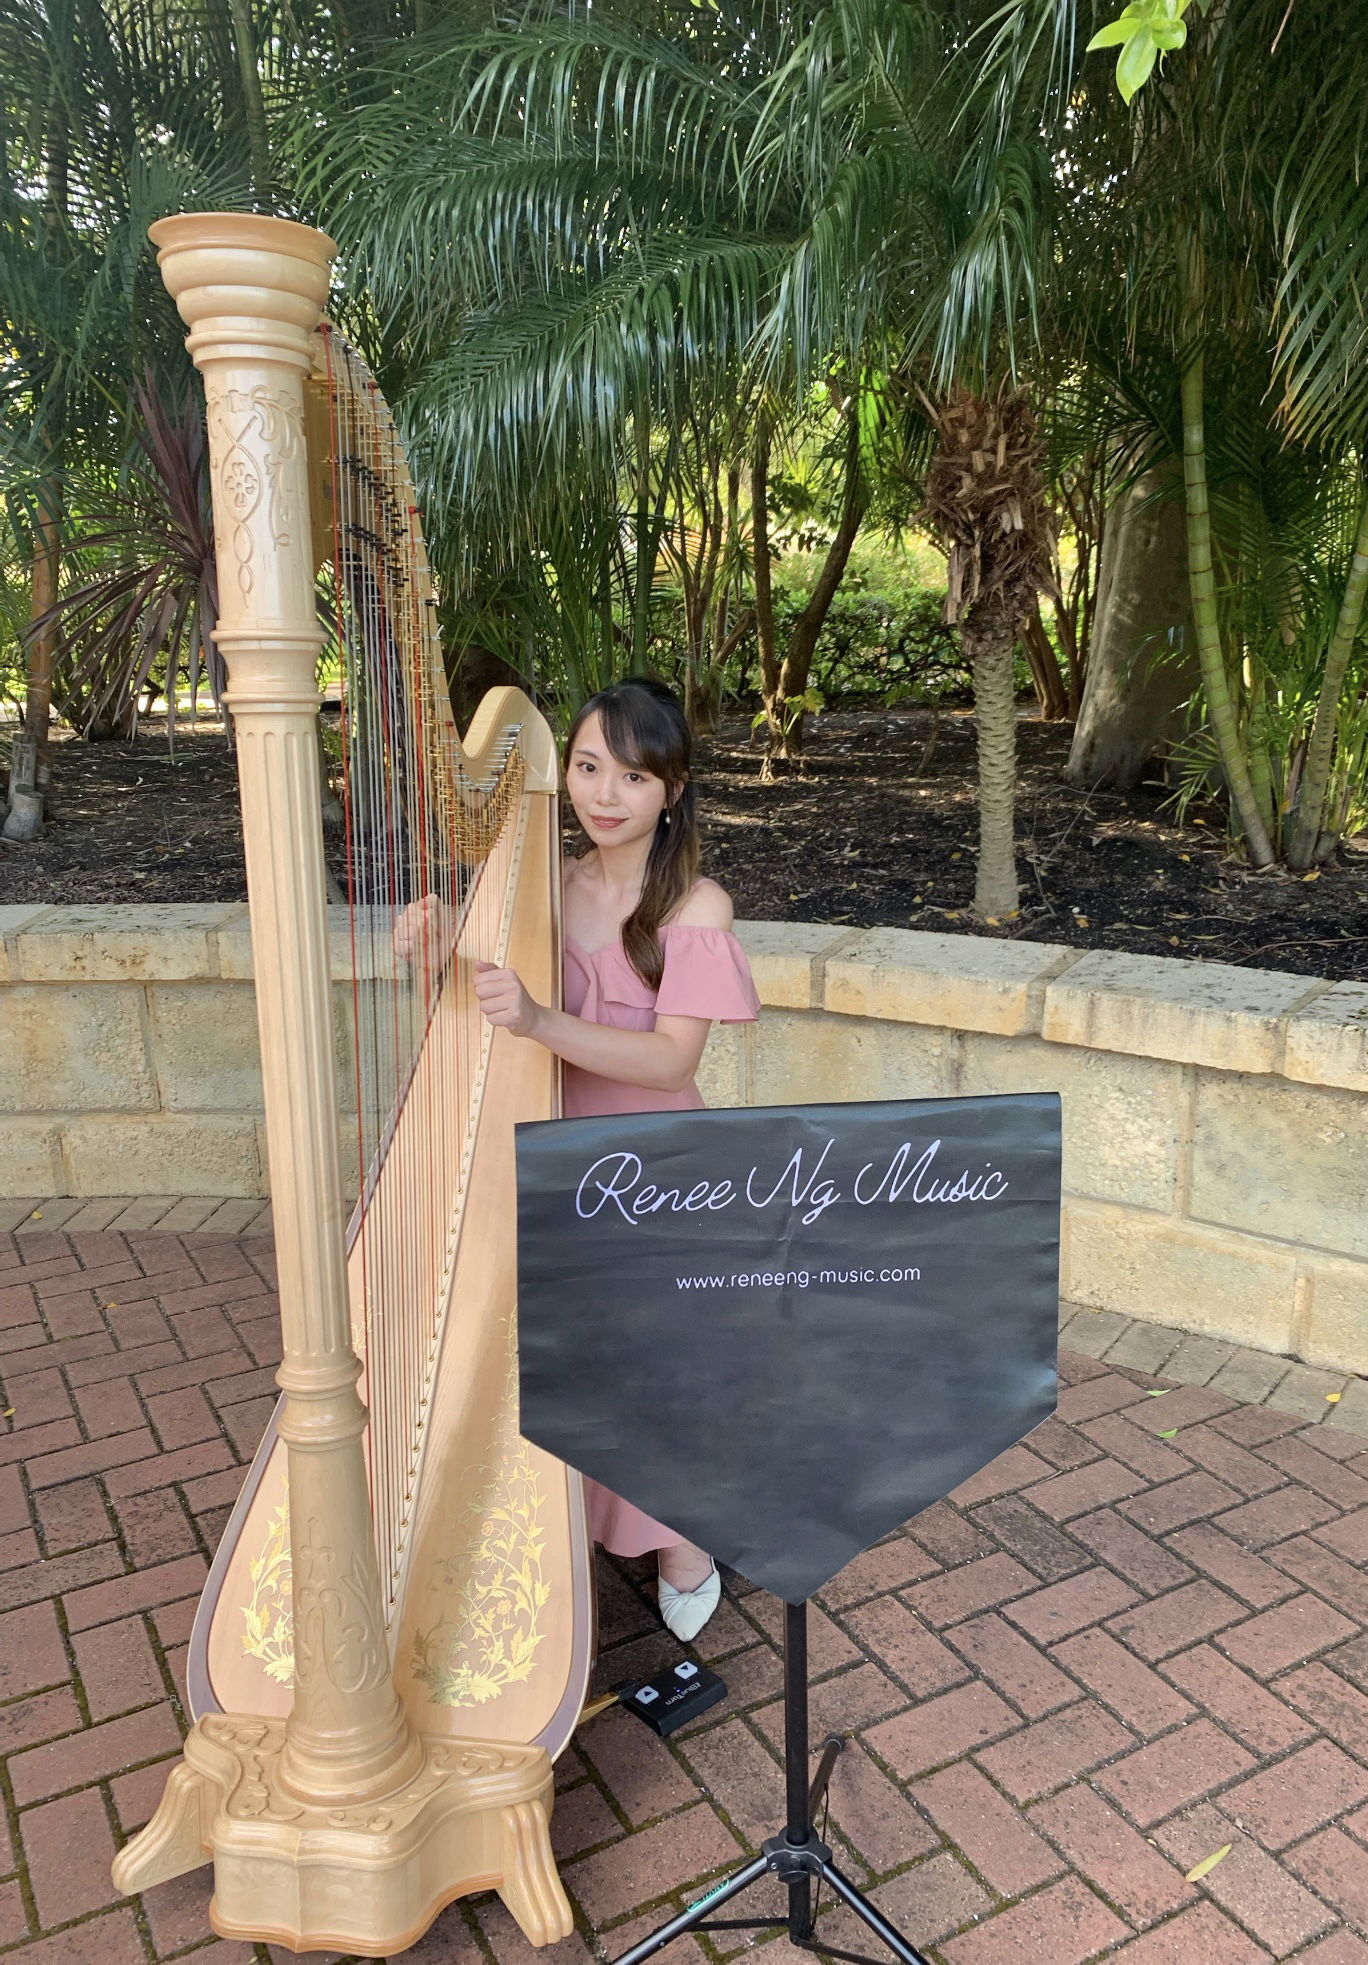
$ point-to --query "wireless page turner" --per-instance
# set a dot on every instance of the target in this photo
(673, 1696)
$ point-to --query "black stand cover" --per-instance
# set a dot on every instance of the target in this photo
(785, 1330)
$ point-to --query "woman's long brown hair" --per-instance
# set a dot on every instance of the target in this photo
(645, 729)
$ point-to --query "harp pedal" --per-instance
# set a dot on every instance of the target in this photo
(673, 1696)
(599, 1703)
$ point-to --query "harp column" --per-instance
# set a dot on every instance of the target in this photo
(251, 291)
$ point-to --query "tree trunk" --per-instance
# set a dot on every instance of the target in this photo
(1052, 692)
(28, 793)
(24, 817)
(1201, 576)
(476, 671)
(46, 572)
(989, 642)
(786, 721)
(764, 585)
(253, 102)
(1143, 661)
(1315, 783)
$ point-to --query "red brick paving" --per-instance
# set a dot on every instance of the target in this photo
(987, 1828)
(1113, 1856)
(1247, 1882)
(1107, 1656)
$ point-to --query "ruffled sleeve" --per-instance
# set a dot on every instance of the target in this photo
(706, 975)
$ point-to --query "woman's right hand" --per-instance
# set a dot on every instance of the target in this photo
(425, 929)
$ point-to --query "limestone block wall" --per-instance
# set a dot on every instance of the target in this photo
(129, 1061)
(1215, 1118)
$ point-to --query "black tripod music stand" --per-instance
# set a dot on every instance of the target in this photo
(795, 1856)
(854, 1306)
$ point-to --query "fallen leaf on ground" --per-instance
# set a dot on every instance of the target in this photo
(1207, 1864)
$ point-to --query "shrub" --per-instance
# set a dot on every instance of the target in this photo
(886, 648)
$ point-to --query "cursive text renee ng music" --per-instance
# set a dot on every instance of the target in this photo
(805, 1186)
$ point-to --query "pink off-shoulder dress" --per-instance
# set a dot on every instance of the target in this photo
(706, 975)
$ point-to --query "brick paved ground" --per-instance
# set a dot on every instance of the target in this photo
(1134, 1640)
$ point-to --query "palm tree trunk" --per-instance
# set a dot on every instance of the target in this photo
(1205, 618)
(29, 756)
(254, 104)
(42, 644)
(989, 642)
(1256, 750)
(45, 576)
(1321, 748)
(651, 517)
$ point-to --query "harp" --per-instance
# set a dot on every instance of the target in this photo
(396, 1635)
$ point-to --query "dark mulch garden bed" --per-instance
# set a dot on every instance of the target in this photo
(870, 834)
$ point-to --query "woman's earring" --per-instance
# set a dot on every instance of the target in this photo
(667, 818)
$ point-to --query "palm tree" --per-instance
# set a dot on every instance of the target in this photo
(731, 193)
(107, 128)
(985, 498)
(1230, 208)
(114, 116)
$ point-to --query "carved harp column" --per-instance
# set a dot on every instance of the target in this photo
(337, 1825)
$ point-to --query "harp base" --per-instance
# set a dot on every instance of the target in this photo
(364, 1877)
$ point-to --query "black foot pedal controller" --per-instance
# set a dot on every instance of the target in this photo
(679, 1693)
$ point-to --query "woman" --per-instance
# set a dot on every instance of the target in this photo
(650, 964)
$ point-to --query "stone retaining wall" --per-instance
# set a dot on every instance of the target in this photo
(1215, 1118)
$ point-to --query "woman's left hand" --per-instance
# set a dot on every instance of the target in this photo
(504, 1000)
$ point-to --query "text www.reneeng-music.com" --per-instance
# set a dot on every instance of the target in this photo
(801, 1279)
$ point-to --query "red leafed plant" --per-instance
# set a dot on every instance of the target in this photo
(143, 599)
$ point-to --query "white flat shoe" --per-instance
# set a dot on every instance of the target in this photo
(685, 1612)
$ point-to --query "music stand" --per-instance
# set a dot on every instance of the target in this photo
(795, 1855)
(883, 1282)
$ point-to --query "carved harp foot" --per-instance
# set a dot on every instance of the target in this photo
(176, 1839)
(531, 1888)
(364, 1877)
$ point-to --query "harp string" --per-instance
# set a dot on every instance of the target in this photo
(416, 822)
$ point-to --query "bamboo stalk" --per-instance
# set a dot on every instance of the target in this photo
(1321, 748)
(1201, 575)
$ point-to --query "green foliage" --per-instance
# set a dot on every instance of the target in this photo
(590, 250)
(887, 649)
(789, 711)
(1284, 658)
(14, 611)
(1145, 30)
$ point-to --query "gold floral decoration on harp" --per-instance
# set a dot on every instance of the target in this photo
(269, 1637)
(490, 1638)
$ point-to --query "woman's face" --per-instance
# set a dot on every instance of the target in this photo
(616, 803)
